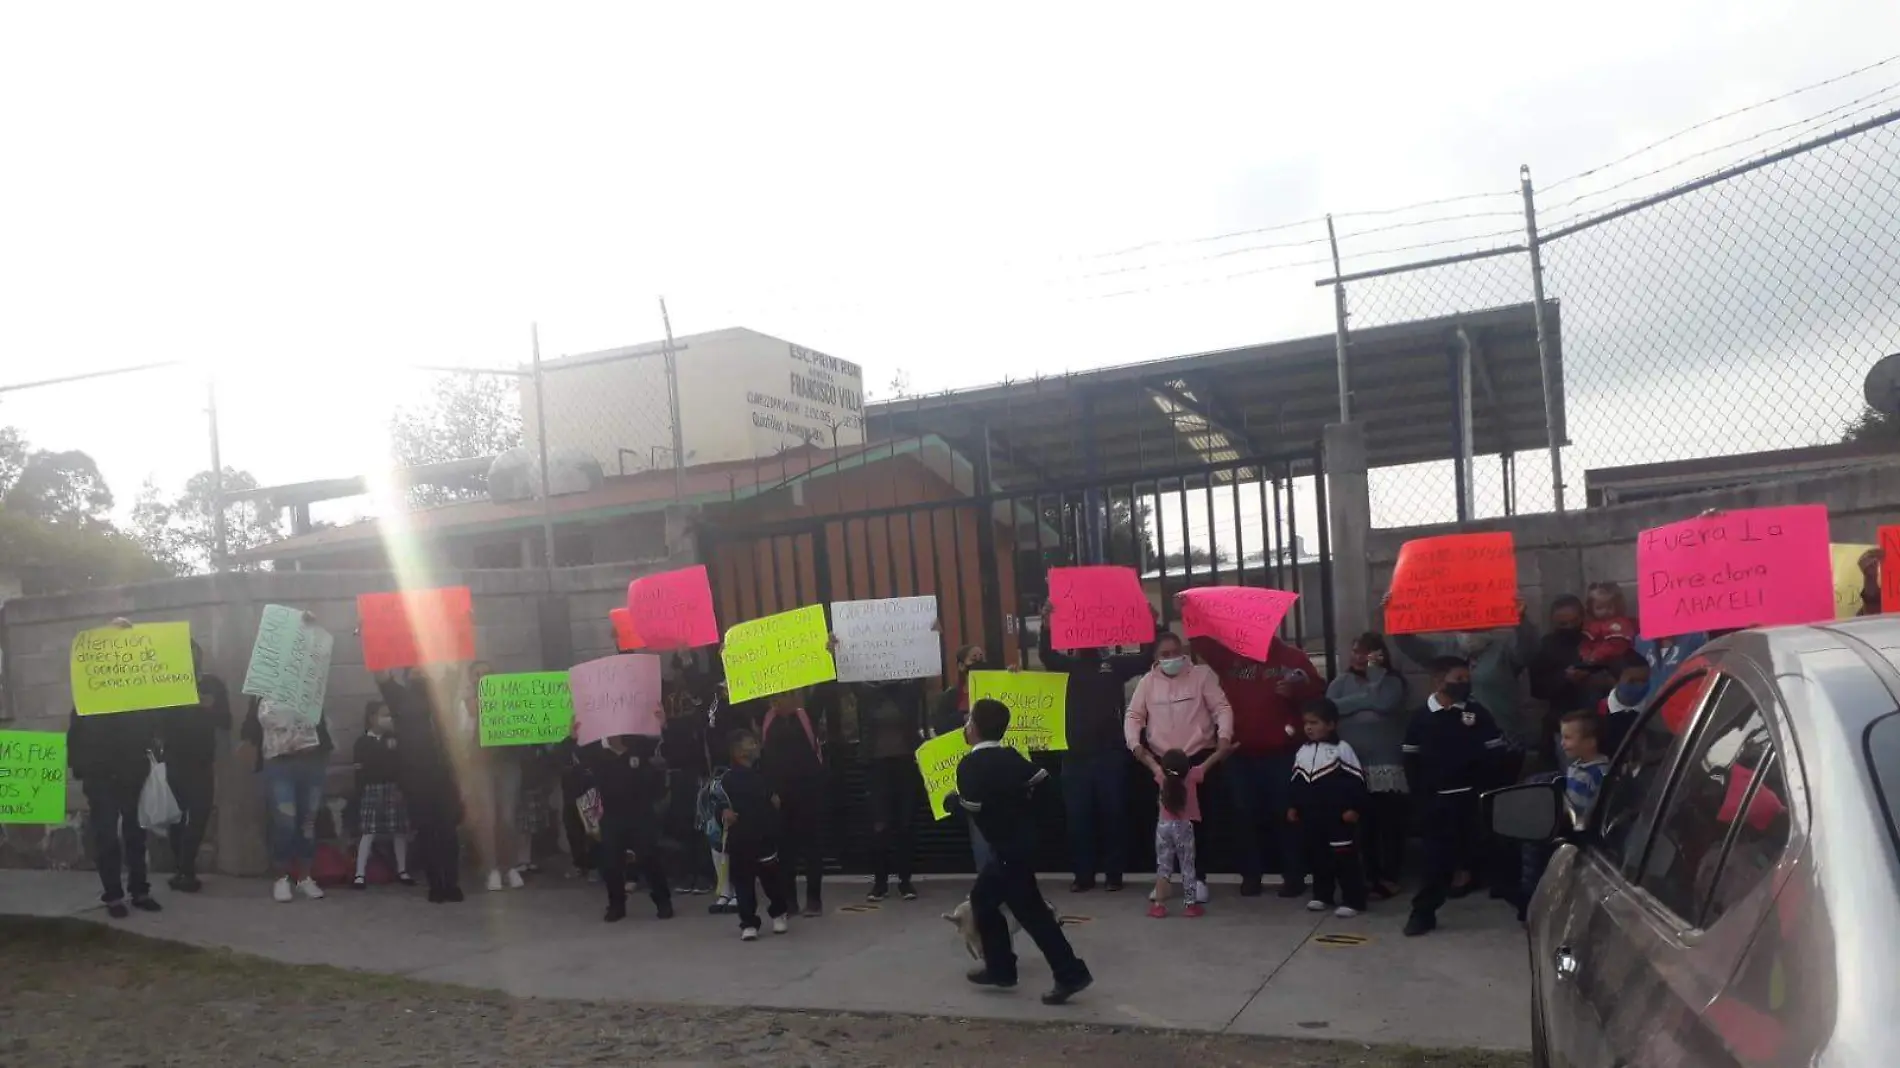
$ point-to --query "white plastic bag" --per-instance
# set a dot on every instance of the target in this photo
(157, 807)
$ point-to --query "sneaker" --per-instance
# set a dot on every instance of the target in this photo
(1194, 912)
(359, 883)
(515, 881)
(280, 890)
(1345, 912)
(1157, 911)
(748, 934)
(405, 878)
(615, 913)
(879, 892)
(1316, 905)
(779, 926)
(1062, 992)
(1293, 889)
(909, 893)
(1420, 923)
(310, 889)
(983, 977)
(117, 910)
(1200, 897)
(494, 881)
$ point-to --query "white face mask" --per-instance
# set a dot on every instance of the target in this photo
(1173, 665)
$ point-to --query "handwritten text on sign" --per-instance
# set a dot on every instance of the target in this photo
(892, 638)
(778, 653)
(123, 669)
(674, 609)
(937, 759)
(1242, 618)
(1454, 582)
(32, 777)
(290, 662)
(1038, 705)
(529, 708)
(616, 695)
(1098, 606)
(1760, 567)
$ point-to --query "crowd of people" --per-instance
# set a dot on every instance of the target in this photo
(1325, 780)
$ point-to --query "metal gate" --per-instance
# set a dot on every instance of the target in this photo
(985, 557)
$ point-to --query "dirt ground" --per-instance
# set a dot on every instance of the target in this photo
(77, 993)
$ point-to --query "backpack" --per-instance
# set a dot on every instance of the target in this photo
(712, 804)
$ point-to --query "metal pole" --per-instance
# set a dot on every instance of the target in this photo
(218, 543)
(673, 407)
(1339, 328)
(547, 474)
(1543, 337)
(1461, 381)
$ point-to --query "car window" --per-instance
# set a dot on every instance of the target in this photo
(1883, 758)
(1633, 787)
(1708, 796)
(1757, 838)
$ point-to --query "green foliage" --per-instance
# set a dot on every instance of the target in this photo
(179, 532)
(51, 557)
(467, 416)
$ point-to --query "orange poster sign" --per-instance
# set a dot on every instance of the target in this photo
(626, 638)
(408, 628)
(1890, 569)
(1454, 582)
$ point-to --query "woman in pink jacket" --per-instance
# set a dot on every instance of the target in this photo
(1179, 704)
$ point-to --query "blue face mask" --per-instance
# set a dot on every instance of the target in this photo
(1631, 693)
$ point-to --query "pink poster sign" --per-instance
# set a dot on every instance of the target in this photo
(1759, 567)
(1243, 618)
(616, 695)
(673, 609)
(1097, 606)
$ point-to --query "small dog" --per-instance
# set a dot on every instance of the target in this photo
(965, 922)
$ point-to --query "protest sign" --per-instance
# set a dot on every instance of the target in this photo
(1038, 706)
(32, 777)
(528, 708)
(290, 662)
(1759, 567)
(937, 759)
(1844, 565)
(891, 638)
(1454, 582)
(123, 669)
(409, 628)
(1889, 569)
(616, 695)
(673, 609)
(1092, 607)
(626, 638)
(778, 653)
(1242, 618)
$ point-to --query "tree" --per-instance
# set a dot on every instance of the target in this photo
(51, 558)
(59, 487)
(467, 416)
(1872, 425)
(179, 532)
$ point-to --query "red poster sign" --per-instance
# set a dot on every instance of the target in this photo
(408, 628)
(1758, 567)
(1097, 606)
(1454, 582)
(674, 609)
(1890, 569)
(626, 638)
(1242, 618)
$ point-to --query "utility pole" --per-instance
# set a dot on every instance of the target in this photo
(547, 475)
(1339, 328)
(218, 543)
(673, 407)
(1544, 362)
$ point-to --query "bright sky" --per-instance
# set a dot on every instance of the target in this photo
(305, 198)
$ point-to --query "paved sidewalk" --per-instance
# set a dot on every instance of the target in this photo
(1248, 967)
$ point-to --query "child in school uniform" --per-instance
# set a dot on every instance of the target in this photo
(751, 821)
(631, 784)
(1180, 784)
(1328, 796)
(1453, 751)
(379, 805)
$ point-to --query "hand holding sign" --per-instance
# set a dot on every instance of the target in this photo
(1454, 582)
(127, 667)
(888, 639)
(411, 628)
(1038, 706)
(626, 635)
(290, 662)
(937, 760)
(32, 777)
(529, 708)
(778, 653)
(673, 609)
(616, 695)
(1242, 618)
(1759, 567)
(1097, 606)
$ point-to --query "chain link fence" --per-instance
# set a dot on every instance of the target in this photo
(1736, 313)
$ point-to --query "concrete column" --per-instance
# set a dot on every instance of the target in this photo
(1349, 516)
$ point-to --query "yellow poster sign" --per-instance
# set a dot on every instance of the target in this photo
(778, 653)
(937, 759)
(124, 669)
(1847, 578)
(1038, 706)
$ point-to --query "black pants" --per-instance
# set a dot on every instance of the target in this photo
(748, 873)
(438, 842)
(801, 810)
(117, 839)
(1013, 883)
(1095, 795)
(1382, 829)
(893, 784)
(620, 832)
(682, 840)
(1453, 842)
(580, 847)
(1332, 855)
(192, 787)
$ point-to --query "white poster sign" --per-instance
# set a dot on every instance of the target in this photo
(887, 639)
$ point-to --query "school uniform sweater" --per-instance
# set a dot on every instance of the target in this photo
(1328, 781)
(994, 785)
(1452, 749)
(754, 833)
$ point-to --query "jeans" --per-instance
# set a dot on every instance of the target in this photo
(117, 838)
(192, 787)
(894, 786)
(293, 788)
(1095, 792)
(1259, 788)
(1013, 883)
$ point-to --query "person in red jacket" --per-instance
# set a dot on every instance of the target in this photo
(1266, 698)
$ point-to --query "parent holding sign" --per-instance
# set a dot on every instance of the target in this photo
(110, 751)
(1178, 704)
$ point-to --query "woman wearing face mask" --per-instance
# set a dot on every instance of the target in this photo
(1179, 705)
(953, 704)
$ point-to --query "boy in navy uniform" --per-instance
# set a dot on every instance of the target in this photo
(632, 782)
(1453, 750)
(994, 784)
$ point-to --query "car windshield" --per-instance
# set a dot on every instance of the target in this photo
(1883, 758)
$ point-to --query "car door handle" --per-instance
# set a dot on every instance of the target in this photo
(1567, 964)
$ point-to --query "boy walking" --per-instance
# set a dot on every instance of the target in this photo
(752, 840)
(1452, 751)
(631, 784)
(994, 784)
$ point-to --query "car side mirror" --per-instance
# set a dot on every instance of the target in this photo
(1531, 812)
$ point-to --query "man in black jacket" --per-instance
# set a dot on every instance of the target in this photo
(427, 774)
(1096, 769)
(191, 752)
